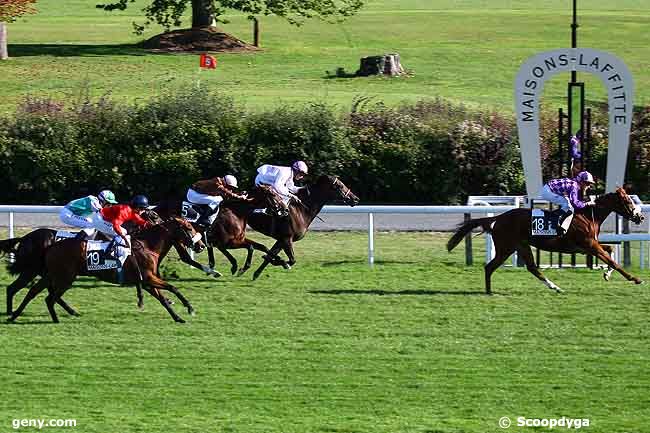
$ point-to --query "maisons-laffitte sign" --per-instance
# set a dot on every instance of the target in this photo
(529, 85)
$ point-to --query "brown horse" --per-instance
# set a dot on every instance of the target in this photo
(29, 257)
(511, 232)
(228, 231)
(291, 229)
(65, 260)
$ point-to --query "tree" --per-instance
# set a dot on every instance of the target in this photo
(205, 13)
(10, 10)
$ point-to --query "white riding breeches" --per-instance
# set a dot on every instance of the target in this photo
(559, 200)
(105, 227)
(197, 198)
(262, 180)
(84, 223)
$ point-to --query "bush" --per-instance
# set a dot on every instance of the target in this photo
(432, 151)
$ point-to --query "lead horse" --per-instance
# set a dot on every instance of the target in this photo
(511, 232)
(302, 212)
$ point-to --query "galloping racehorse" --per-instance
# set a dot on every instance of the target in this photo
(291, 229)
(511, 232)
(65, 260)
(29, 257)
(228, 231)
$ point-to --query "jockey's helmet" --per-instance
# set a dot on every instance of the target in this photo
(300, 167)
(140, 202)
(106, 196)
(230, 180)
(585, 177)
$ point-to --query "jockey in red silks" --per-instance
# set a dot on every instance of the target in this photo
(109, 219)
(564, 192)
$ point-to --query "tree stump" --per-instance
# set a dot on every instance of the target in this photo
(388, 64)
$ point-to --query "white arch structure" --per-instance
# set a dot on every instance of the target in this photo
(529, 84)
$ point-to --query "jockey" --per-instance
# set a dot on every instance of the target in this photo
(564, 192)
(212, 192)
(79, 212)
(281, 179)
(110, 219)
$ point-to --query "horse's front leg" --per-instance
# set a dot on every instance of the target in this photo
(288, 250)
(599, 252)
(268, 259)
(187, 258)
(607, 275)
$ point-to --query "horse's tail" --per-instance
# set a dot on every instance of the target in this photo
(9, 246)
(466, 227)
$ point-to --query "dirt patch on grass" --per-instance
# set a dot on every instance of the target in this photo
(204, 39)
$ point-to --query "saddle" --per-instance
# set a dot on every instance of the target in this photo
(545, 223)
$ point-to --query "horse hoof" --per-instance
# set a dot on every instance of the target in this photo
(216, 274)
(606, 277)
(241, 272)
(233, 270)
(287, 266)
(255, 276)
(639, 282)
(11, 319)
(191, 311)
(179, 320)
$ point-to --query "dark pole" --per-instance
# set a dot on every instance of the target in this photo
(574, 37)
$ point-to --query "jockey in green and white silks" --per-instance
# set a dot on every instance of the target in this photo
(79, 212)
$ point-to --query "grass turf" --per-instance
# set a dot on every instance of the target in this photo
(412, 345)
(467, 51)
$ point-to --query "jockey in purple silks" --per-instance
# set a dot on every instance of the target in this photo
(564, 193)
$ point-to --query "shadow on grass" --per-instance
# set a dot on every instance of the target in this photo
(70, 50)
(396, 293)
(363, 262)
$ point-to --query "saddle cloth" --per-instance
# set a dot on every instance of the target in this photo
(544, 223)
(191, 212)
(96, 259)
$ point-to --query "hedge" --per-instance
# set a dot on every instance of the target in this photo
(431, 151)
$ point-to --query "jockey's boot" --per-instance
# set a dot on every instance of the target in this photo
(204, 218)
(561, 229)
(111, 250)
(82, 236)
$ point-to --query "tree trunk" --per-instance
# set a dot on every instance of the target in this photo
(3, 41)
(256, 32)
(201, 15)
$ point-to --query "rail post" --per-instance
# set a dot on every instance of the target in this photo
(371, 239)
(469, 258)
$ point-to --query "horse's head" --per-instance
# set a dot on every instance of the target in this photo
(334, 189)
(264, 196)
(622, 204)
(183, 232)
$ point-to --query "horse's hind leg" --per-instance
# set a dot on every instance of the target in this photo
(492, 266)
(33, 292)
(527, 256)
(21, 282)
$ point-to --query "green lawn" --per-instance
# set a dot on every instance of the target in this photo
(412, 345)
(466, 51)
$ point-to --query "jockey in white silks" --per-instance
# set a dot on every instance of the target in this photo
(79, 213)
(281, 179)
(564, 192)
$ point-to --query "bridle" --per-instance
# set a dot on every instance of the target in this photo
(342, 189)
